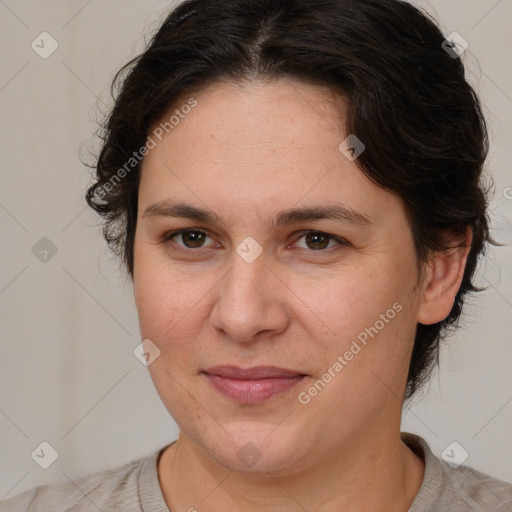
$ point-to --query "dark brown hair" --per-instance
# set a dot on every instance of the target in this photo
(409, 103)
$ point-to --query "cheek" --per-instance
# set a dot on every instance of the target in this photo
(166, 302)
(371, 322)
(353, 300)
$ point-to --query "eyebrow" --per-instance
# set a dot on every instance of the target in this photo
(338, 212)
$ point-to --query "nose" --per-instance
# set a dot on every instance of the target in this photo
(251, 301)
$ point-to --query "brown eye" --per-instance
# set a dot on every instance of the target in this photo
(317, 241)
(193, 238)
(190, 239)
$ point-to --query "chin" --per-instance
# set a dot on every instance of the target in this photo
(256, 448)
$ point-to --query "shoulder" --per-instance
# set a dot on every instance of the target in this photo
(456, 488)
(478, 489)
(111, 489)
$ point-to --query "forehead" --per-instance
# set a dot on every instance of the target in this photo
(273, 143)
(252, 115)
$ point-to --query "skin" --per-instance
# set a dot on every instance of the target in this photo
(246, 152)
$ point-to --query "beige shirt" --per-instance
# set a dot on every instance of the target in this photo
(134, 487)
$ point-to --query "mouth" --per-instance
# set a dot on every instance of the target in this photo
(252, 385)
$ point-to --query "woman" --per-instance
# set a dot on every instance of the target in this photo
(294, 188)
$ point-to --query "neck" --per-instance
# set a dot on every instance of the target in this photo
(375, 472)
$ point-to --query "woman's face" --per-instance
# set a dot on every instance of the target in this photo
(297, 261)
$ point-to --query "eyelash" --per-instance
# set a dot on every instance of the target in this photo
(340, 241)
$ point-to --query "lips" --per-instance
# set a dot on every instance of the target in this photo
(252, 385)
(256, 372)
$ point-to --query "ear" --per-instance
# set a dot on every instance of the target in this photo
(443, 280)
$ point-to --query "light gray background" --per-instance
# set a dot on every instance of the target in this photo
(68, 326)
